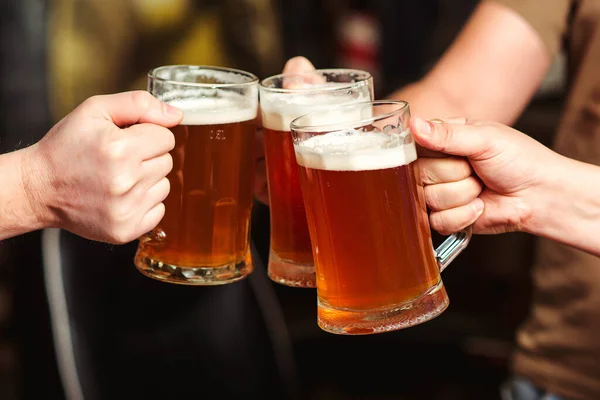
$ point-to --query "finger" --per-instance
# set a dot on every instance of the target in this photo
(443, 170)
(456, 139)
(450, 221)
(153, 201)
(134, 107)
(149, 141)
(450, 120)
(155, 169)
(157, 193)
(425, 152)
(153, 181)
(299, 72)
(298, 65)
(445, 196)
(502, 214)
(153, 195)
(151, 219)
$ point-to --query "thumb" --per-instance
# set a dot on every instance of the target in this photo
(300, 73)
(134, 107)
(457, 138)
(298, 65)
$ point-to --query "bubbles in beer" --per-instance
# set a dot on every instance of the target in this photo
(353, 150)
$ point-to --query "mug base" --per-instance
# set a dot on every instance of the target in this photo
(291, 274)
(351, 322)
(193, 276)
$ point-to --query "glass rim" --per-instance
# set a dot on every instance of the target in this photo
(366, 76)
(296, 126)
(253, 78)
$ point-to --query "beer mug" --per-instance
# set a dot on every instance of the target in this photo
(375, 264)
(203, 239)
(283, 98)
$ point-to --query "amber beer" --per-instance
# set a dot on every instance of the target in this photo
(208, 208)
(290, 240)
(361, 209)
(283, 98)
(375, 265)
(204, 236)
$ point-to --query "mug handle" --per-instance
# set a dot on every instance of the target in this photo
(452, 247)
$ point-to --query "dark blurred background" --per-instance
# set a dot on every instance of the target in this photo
(54, 54)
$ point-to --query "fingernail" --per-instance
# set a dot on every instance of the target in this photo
(422, 126)
(171, 112)
(478, 206)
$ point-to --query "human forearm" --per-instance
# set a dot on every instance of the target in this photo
(427, 101)
(490, 72)
(567, 208)
(19, 195)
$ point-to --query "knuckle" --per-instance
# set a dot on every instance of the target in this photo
(440, 223)
(425, 170)
(120, 214)
(435, 222)
(141, 99)
(120, 184)
(121, 235)
(429, 175)
(432, 197)
(448, 137)
(445, 131)
(113, 148)
(93, 101)
(476, 185)
(464, 167)
(116, 229)
(152, 220)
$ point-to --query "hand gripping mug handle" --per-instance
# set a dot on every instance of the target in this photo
(452, 247)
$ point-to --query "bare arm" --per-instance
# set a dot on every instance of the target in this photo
(490, 72)
(90, 176)
(567, 208)
(526, 186)
(17, 214)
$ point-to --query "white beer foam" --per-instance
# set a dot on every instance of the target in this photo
(280, 109)
(351, 150)
(213, 110)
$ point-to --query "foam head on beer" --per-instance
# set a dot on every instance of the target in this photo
(203, 101)
(354, 150)
(280, 109)
(227, 108)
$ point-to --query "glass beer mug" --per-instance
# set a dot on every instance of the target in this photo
(282, 98)
(376, 267)
(203, 239)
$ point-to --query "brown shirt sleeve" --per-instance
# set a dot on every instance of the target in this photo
(548, 17)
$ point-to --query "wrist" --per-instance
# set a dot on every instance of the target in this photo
(567, 204)
(36, 188)
(546, 196)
